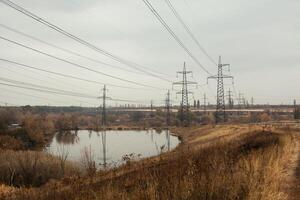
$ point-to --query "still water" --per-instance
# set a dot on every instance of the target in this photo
(109, 148)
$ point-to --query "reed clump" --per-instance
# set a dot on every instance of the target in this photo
(32, 169)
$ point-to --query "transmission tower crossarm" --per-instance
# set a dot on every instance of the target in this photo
(185, 72)
(191, 82)
(227, 76)
(216, 76)
(102, 97)
(187, 82)
(188, 92)
(223, 65)
(212, 77)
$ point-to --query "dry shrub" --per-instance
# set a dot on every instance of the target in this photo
(8, 142)
(29, 168)
(33, 126)
(88, 161)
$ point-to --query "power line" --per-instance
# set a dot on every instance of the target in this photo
(33, 96)
(61, 91)
(114, 99)
(66, 93)
(66, 75)
(43, 80)
(45, 88)
(91, 46)
(45, 91)
(188, 30)
(167, 27)
(64, 49)
(75, 64)
(208, 90)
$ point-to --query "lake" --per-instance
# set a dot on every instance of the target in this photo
(109, 148)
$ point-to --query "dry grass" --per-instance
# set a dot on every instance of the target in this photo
(249, 168)
(29, 168)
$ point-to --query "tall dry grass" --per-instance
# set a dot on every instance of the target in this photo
(29, 168)
(248, 169)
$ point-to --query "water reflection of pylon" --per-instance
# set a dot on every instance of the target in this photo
(168, 138)
(103, 136)
(168, 119)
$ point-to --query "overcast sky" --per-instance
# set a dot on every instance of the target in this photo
(259, 38)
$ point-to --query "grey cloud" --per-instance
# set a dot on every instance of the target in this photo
(260, 38)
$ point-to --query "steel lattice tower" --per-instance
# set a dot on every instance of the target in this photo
(220, 106)
(184, 107)
(168, 105)
(104, 107)
(104, 123)
(230, 99)
(168, 118)
(204, 103)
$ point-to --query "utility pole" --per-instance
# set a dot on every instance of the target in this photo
(184, 107)
(220, 111)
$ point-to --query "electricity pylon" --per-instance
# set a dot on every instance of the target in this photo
(220, 110)
(230, 99)
(168, 105)
(204, 103)
(104, 123)
(184, 107)
(151, 105)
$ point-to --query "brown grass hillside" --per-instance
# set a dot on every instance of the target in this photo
(212, 163)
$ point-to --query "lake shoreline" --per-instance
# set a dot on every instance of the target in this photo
(113, 146)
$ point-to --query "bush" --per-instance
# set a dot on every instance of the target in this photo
(34, 129)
